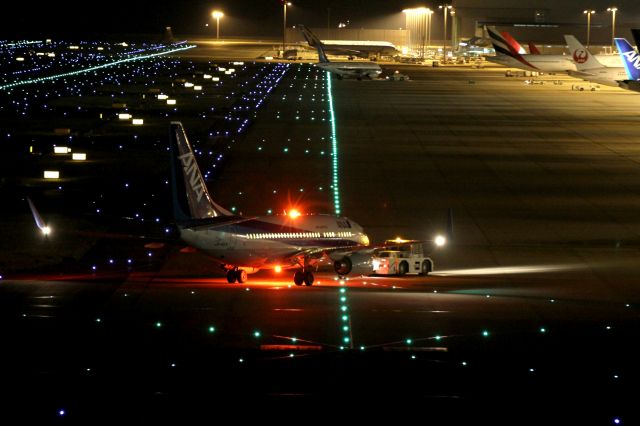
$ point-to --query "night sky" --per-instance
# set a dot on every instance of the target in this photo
(243, 17)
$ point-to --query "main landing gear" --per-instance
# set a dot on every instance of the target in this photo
(236, 275)
(303, 276)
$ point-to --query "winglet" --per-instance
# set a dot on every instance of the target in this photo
(38, 219)
(450, 224)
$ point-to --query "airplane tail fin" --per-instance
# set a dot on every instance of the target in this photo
(514, 46)
(499, 43)
(630, 58)
(533, 49)
(314, 41)
(581, 56)
(191, 200)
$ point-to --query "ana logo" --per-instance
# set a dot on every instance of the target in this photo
(190, 168)
(580, 56)
(633, 58)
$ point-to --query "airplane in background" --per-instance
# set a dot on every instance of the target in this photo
(356, 48)
(245, 245)
(353, 69)
(631, 60)
(589, 68)
(508, 56)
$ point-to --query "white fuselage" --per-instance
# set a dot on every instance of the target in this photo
(551, 63)
(606, 76)
(271, 241)
(351, 69)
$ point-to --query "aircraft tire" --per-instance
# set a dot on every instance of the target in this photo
(308, 278)
(298, 278)
(241, 276)
(231, 276)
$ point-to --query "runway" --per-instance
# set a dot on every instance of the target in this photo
(533, 305)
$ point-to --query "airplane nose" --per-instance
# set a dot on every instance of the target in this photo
(364, 239)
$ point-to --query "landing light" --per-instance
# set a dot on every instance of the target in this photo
(440, 241)
(278, 269)
(294, 213)
(45, 230)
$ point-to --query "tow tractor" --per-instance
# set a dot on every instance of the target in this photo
(401, 257)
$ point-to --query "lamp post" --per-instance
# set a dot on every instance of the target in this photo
(613, 11)
(429, 13)
(217, 14)
(445, 8)
(284, 23)
(589, 13)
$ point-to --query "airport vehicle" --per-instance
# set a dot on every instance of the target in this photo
(398, 76)
(508, 56)
(400, 257)
(631, 61)
(355, 69)
(589, 68)
(245, 245)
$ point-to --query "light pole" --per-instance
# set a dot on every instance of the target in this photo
(613, 11)
(284, 23)
(589, 13)
(217, 14)
(429, 13)
(445, 8)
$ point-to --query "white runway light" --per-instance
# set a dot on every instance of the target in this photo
(508, 270)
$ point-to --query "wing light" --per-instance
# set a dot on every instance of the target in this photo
(440, 241)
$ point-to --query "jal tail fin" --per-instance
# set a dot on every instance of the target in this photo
(582, 57)
(533, 49)
(314, 41)
(513, 44)
(191, 200)
(630, 58)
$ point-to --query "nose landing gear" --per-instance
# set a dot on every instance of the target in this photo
(303, 276)
(236, 275)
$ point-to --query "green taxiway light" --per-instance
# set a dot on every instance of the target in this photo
(409, 341)
(211, 329)
(485, 333)
(158, 324)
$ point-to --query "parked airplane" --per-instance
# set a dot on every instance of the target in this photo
(631, 61)
(506, 56)
(362, 49)
(589, 68)
(354, 69)
(247, 244)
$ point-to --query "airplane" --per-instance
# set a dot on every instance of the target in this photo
(505, 55)
(533, 49)
(589, 68)
(340, 69)
(631, 61)
(244, 245)
(357, 48)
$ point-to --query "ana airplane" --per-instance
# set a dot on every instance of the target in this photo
(631, 61)
(589, 68)
(355, 69)
(245, 245)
